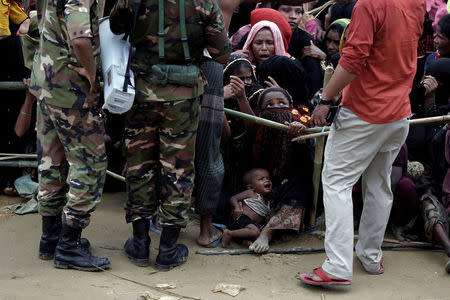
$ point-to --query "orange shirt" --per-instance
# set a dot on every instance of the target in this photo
(381, 48)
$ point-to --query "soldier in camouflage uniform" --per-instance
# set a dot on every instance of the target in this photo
(161, 126)
(70, 141)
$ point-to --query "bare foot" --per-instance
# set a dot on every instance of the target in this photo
(214, 234)
(261, 244)
(226, 238)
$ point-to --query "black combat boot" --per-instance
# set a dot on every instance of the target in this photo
(170, 253)
(71, 254)
(137, 247)
(51, 229)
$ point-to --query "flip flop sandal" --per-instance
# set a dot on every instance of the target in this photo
(447, 267)
(325, 279)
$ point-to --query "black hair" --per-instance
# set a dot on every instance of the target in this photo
(270, 90)
(235, 67)
(335, 27)
(276, 5)
(444, 25)
(247, 178)
(341, 11)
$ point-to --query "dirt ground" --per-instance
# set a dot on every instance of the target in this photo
(409, 274)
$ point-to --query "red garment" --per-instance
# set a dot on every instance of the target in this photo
(272, 15)
(381, 48)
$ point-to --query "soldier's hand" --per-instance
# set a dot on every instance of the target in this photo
(23, 28)
(83, 72)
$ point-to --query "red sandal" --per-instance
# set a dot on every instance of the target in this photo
(325, 279)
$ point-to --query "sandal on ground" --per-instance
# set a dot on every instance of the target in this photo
(447, 267)
(325, 279)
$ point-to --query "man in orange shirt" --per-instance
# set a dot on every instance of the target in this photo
(376, 69)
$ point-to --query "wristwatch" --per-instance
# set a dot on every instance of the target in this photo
(323, 101)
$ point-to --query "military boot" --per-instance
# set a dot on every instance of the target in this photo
(51, 229)
(170, 253)
(71, 254)
(137, 247)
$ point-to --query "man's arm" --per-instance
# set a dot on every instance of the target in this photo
(78, 20)
(85, 55)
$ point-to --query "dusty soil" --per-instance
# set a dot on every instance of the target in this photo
(410, 274)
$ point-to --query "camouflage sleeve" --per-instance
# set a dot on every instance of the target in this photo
(77, 14)
(16, 13)
(217, 42)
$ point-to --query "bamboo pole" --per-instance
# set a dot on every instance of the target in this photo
(19, 163)
(318, 156)
(33, 164)
(422, 121)
(17, 85)
(12, 85)
(255, 119)
(315, 250)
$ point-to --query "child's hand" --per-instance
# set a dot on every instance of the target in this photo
(430, 84)
(295, 128)
(227, 92)
(238, 211)
(238, 87)
(23, 28)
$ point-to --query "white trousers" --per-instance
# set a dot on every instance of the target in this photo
(356, 148)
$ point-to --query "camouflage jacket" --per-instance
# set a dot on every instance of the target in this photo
(60, 22)
(205, 29)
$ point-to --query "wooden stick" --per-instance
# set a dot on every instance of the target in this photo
(315, 250)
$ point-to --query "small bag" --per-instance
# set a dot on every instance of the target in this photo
(185, 75)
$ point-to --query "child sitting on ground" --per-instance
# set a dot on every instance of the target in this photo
(250, 207)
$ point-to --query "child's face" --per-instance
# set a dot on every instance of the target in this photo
(274, 99)
(442, 43)
(260, 182)
(245, 74)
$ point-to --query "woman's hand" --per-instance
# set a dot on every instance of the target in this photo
(243, 53)
(314, 51)
(295, 128)
(271, 83)
(23, 28)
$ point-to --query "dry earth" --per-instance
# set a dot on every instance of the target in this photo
(410, 274)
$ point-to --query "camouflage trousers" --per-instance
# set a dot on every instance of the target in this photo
(160, 143)
(71, 162)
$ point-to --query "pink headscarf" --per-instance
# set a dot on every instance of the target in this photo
(277, 39)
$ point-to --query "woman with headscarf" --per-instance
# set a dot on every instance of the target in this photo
(290, 165)
(264, 40)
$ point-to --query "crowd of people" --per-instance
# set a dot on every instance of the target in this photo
(249, 182)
